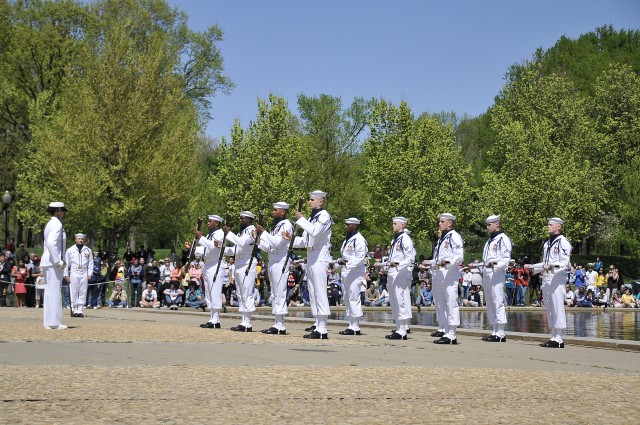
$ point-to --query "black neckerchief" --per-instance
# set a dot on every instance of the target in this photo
(315, 212)
(552, 239)
(276, 221)
(396, 236)
(243, 226)
(444, 234)
(79, 247)
(349, 235)
(493, 235)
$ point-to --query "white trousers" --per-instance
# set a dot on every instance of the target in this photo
(493, 286)
(78, 284)
(553, 293)
(399, 287)
(445, 293)
(279, 282)
(244, 288)
(213, 291)
(353, 306)
(53, 296)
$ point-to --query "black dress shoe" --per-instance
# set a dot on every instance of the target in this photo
(203, 307)
(316, 335)
(487, 337)
(552, 344)
(80, 314)
(210, 325)
(241, 328)
(274, 331)
(437, 334)
(349, 331)
(310, 328)
(408, 330)
(445, 340)
(396, 335)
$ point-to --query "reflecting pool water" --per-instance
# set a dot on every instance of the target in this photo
(590, 323)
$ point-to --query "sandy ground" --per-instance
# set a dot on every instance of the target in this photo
(132, 366)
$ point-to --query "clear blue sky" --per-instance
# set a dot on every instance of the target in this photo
(435, 55)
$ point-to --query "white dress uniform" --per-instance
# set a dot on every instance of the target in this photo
(55, 239)
(316, 239)
(399, 280)
(243, 246)
(277, 246)
(210, 257)
(445, 281)
(495, 259)
(556, 261)
(354, 255)
(79, 270)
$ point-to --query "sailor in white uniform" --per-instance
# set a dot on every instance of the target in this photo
(353, 261)
(79, 259)
(212, 244)
(448, 255)
(277, 246)
(245, 268)
(316, 239)
(556, 261)
(53, 265)
(495, 259)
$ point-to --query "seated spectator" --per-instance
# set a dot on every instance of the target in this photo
(173, 295)
(425, 297)
(149, 297)
(256, 297)
(602, 299)
(627, 299)
(371, 295)
(616, 302)
(233, 298)
(166, 284)
(334, 295)
(193, 297)
(384, 297)
(587, 300)
(118, 297)
(581, 295)
(473, 299)
(295, 296)
(569, 296)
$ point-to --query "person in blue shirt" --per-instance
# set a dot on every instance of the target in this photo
(509, 283)
(580, 277)
(425, 297)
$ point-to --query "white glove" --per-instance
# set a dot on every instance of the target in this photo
(62, 265)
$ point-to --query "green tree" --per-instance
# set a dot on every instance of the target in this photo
(332, 139)
(260, 165)
(119, 146)
(413, 167)
(545, 160)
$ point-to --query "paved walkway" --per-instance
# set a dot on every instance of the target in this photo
(106, 367)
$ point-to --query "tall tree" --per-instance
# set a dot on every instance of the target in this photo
(120, 147)
(413, 167)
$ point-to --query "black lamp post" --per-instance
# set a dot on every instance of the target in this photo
(6, 200)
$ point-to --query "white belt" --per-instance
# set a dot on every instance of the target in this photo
(311, 248)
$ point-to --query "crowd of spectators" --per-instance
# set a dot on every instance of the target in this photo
(138, 279)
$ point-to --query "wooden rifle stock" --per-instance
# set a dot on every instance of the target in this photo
(227, 222)
(256, 242)
(293, 236)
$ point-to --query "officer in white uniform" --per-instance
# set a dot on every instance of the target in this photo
(316, 239)
(277, 246)
(399, 271)
(211, 244)
(495, 259)
(556, 261)
(79, 259)
(448, 255)
(353, 261)
(243, 247)
(53, 265)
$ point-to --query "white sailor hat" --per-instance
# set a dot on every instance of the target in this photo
(493, 218)
(59, 205)
(399, 219)
(318, 194)
(281, 205)
(214, 217)
(555, 220)
(80, 235)
(447, 216)
(352, 220)
(247, 214)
